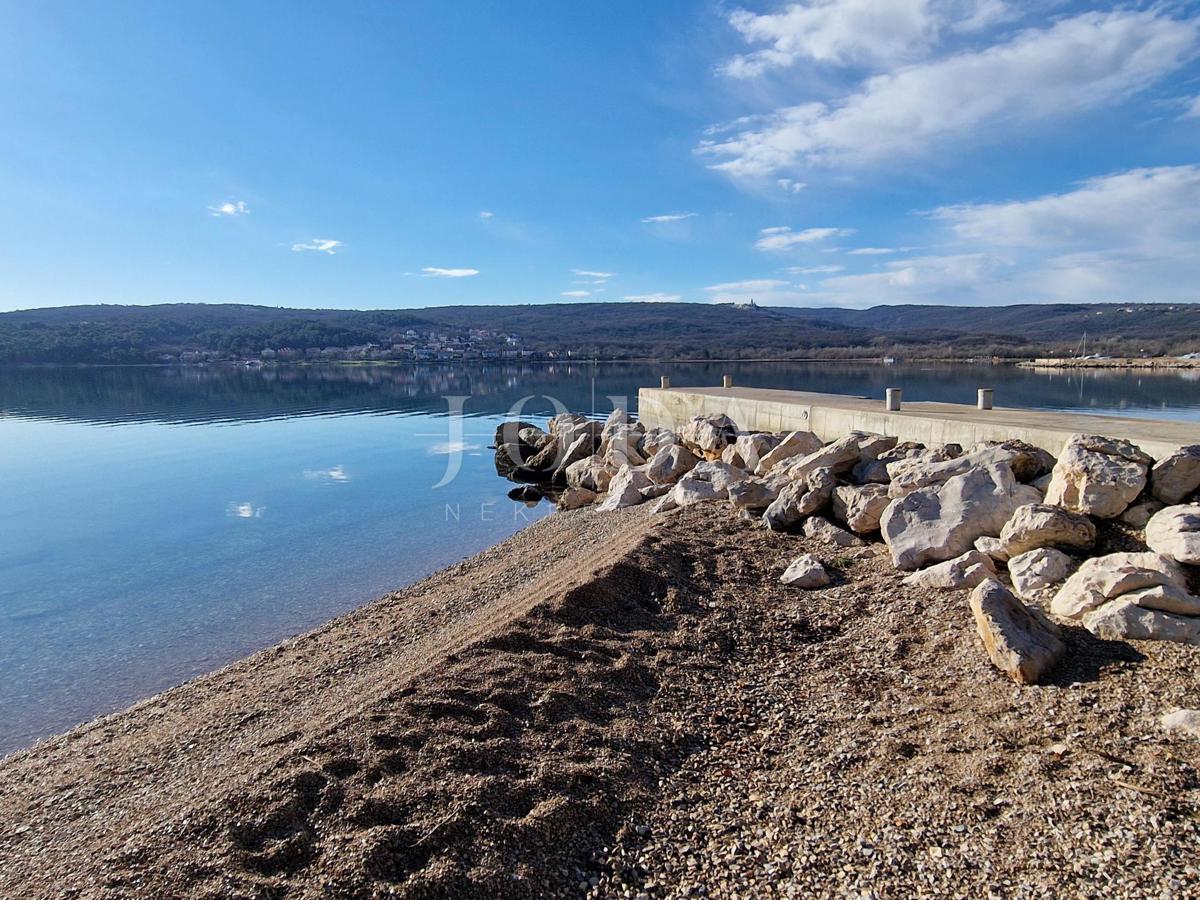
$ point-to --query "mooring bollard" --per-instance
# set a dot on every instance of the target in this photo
(985, 398)
(666, 382)
(893, 399)
(726, 381)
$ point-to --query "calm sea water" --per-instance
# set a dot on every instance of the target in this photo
(159, 523)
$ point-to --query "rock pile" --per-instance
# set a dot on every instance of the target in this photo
(1004, 519)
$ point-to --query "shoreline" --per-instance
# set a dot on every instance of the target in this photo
(611, 702)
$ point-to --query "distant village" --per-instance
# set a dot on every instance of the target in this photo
(409, 345)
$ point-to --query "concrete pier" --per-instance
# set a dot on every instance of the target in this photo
(832, 415)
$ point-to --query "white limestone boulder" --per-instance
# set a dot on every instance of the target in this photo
(1175, 532)
(1021, 644)
(1122, 619)
(576, 498)
(941, 522)
(860, 506)
(752, 494)
(1176, 475)
(625, 489)
(840, 456)
(592, 473)
(708, 436)
(800, 498)
(1139, 514)
(1038, 574)
(655, 439)
(806, 572)
(992, 547)
(749, 449)
(1104, 578)
(826, 532)
(1097, 476)
(908, 475)
(798, 443)
(966, 571)
(671, 463)
(1042, 525)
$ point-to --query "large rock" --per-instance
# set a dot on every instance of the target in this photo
(799, 499)
(1166, 597)
(1176, 475)
(510, 432)
(592, 473)
(720, 475)
(1122, 619)
(966, 571)
(806, 572)
(749, 449)
(580, 448)
(512, 456)
(860, 506)
(870, 471)
(1098, 476)
(671, 463)
(941, 522)
(753, 494)
(908, 475)
(827, 533)
(1175, 532)
(567, 421)
(992, 547)
(840, 456)
(689, 491)
(798, 443)
(576, 498)
(1105, 578)
(707, 436)
(1041, 525)
(625, 489)
(655, 439)
(1037, 574)
(1139, 514)
(1021, 644)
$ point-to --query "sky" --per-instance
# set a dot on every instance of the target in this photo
(386, 155)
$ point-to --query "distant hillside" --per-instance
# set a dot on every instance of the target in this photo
(138, 334)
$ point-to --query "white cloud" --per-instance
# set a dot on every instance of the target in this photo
(1042, 74)
(232, 208)
(319, 245)
(782, 237)
(814, 270)
(653, 298)
(337, 473)
(1193, 109)
(438, 272)
(1138, 207)
(486, 214)
(925, 279)
(870, 251)
(576, 294)
(790, 186)
(587, 273)
(833, 31)
(741, 287)
(669, 217)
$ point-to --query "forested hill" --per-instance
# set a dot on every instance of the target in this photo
(139, 334)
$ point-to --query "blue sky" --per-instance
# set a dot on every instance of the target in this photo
(832, 152)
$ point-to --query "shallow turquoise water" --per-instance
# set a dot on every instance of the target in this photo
(159, 523)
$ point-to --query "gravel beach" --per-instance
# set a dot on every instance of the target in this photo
(628, 705)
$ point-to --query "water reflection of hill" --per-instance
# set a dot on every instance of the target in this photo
(197, 395)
